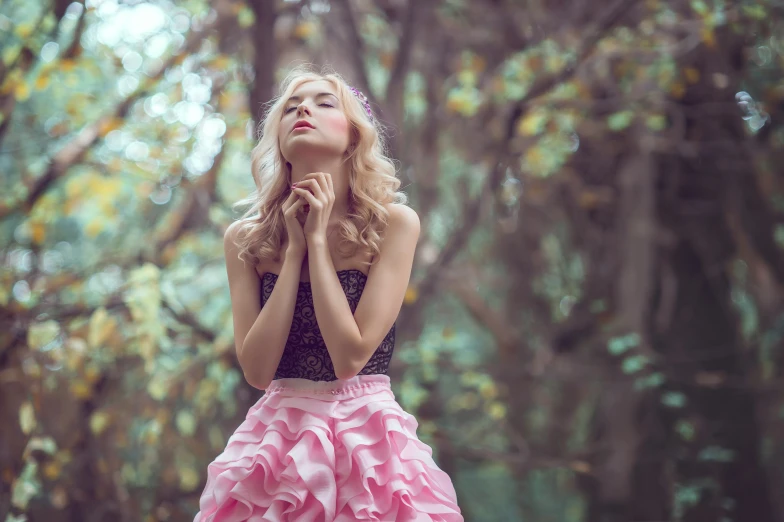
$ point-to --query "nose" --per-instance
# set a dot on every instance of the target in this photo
(303, 109)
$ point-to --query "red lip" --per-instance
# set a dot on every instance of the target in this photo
(302, 123)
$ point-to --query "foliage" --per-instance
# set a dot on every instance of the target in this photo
(525, 346)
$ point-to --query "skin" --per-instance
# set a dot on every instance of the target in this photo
(320, 175)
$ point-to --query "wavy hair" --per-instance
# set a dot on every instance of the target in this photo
(372, 180)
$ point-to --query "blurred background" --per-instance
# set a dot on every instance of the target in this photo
(594, 326)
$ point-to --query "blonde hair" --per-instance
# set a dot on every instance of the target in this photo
(372, 180)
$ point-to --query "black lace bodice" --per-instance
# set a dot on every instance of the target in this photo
(305, 355)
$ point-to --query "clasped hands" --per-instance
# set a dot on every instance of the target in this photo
(317, 195)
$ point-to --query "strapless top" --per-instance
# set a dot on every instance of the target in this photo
(305, 355)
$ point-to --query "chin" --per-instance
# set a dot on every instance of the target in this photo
(300, 148)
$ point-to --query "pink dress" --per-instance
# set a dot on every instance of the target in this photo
(318, 449)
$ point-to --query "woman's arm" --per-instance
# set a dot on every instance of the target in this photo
(260, 334)
(351, 340)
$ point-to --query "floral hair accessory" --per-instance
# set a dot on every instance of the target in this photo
(364, 101)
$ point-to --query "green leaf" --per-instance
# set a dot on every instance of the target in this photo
(653, 380)
(716, 454)
(186, 422)
(620, 345)
(634, 363)
(41, 335)
(656, 122)
(26, 486)
(700, 7)
(620, 120)
(27, 419)
(45, 444)
(754, 11)
(685, 429)
(674, 399)
(245, 17)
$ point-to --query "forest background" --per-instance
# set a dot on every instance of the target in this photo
(593, 329)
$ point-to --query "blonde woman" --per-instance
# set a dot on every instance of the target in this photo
(318, 268)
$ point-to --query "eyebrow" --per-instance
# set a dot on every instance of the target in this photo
(298, 98)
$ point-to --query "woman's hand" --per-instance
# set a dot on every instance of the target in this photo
(316, 190)
(291, 209)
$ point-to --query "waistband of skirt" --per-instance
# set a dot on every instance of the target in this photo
(353, 386)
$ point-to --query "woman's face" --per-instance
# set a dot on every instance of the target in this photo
(313, 122)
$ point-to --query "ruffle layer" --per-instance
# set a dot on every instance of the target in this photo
(307, 459)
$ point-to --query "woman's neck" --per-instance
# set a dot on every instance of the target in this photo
(338, 168)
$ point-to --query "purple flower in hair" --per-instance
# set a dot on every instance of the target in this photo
(363, 99)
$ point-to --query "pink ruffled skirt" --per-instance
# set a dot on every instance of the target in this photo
(324, 452)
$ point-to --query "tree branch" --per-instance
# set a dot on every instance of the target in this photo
(357, 48)
(74, 150)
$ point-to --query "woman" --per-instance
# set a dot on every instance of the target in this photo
(318, 268)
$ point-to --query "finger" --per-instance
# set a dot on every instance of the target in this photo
(330, 187)
(322, 181)
(289, 200)
(313, 187)
(316, 178)
(292, 210)
(311, 199)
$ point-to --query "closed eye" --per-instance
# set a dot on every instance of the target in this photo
(289, 110)
(326, 105)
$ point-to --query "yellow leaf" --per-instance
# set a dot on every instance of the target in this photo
(107, 125)
(27, 418)
(67, 65)
(101, 328)
(305, 30)
(9, 85)
(157, 388)
(42, 333)
(92, 373)
(554, 62)
(38, 232)
(708, 37)
(532, 123)
(24, 30)
(186, 423)
(41, 82)
(533, 156)
(692, 74)
(99, 421)
(104, 186)
(488, 390)
(52, 470)
(10, 53)
(94, 227)
(81, 389)
(71, 206)
(22, 92)
(411, 295)
(497, 410)
(677, 90)
(189, 479)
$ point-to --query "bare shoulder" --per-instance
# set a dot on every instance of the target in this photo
(231, 234)
(403, 219)
(231, 246)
